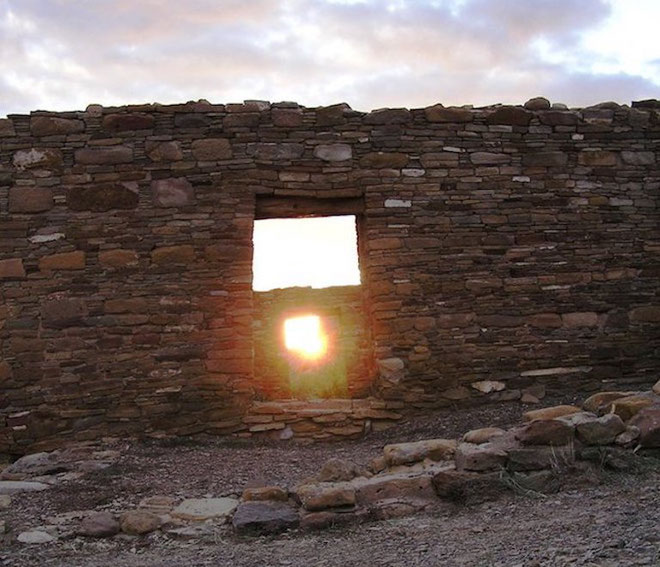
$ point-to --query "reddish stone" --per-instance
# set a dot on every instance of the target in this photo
(510, 115)
(448, 321)
(648, 422)
(64, 261)
(163, 151)
(388, 116)
(139, 305)
(5, 371)
(102, 156)
(7, 127)
(102, 197)
(545, 159)
(60, 313)
(172, 192)
(173, 255)
(545, 432)
(558, 118)
(646, 314)
(287, 117)
(383, 159)
(439, 113)
(53, 126)
(211, 149)
(11, 268)
(36, 158)
(576, 320)
(333, 115)
(118, 258)
(595, 158)
(545, 320)
(30, 199)
(122, 122)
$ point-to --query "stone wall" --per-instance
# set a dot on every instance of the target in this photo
(500, 247)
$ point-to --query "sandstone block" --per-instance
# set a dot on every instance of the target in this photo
(287, 117)
(545, 159)
(558, 118)
(11, 268)
(484, 457)
(449, 321)
(551, 412)
(599, 401)
(265, 517)
(596, 158)
(629, 406)
(433, 449)
(99, 524)
(271, 151)
(339, 470)
(118, 258)
(102, 197)
(646, 314)
(172, 192)
(600, 431)
(5, 374)
(638, 158)
(647, 421)
(53, 126)
(577, 320)
(388, 116)
(378, 160)
(629, 437)
(163, 151)
(333, 152)
(265, 493)
(183, 254)
(7, 127)
(127, 121)
(326, 495)
(533, 458)
(403, 486)
(488, 386)
(191, 120)
(35, 537)
(202, 509)
(104, 155)
(332, 115)
(439, 160)
(489, 158)
(545, 432)
(545, 320)
(439, 113)
(537, 103)
(60, 313)
(30, 199)
(510, 115)
(134, 305)
(482, 435)
(468, 488)
(64, 261)
(212, 149)
(35, 158)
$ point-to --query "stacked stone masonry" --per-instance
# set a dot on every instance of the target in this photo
(502, 248)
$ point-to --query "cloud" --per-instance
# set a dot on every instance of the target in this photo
(64, 54)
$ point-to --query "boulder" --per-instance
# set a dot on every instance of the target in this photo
(600, 431)
(551, 412)
(629, 406)
(545, 432)
(321, 496)
(202, 509)
(99, 524)
(139, 522)
(537, 103)
(265, 517)
(482, 435)
(647, 421)
(629, 437)
(402, 486)
(433, 449)
(262, 493)
(335, 470)
(602, 399)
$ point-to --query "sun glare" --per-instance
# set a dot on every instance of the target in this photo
(305, 337)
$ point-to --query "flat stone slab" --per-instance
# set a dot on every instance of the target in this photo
(35, 536)
(201, 509)
(15, 486)
(265, 517)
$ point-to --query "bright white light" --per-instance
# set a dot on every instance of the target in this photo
(304, 336)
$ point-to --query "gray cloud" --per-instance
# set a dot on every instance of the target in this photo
(64, 54)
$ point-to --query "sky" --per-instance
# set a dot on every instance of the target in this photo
(66, 54)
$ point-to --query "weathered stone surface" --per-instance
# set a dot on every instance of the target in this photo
(202, 509)
(118, 258)
(545, 432)
(99, 524)
(54, 126)
(434, 449)
(545, 159)
(537, 103)
(468, 488)
(596, 158)
(488, 386)
(647, 314)
(482, 435)
(478, 458)
(281, 151)
(510, 115)
(103, 197)
(104, 155)
(128, 121)
(11, 268)
(629, 437)
(600, 431)
(16, 486)
(403, 486)
(627, 407)
(333, 115)
(551, 412)
(601, 400)
(489, 158)
(30, 199)
(287, 117)
(265, 493)
(388, 116)
(325, 519)
(541, 482)
(638, 158)
(139, 522)
(265, 517)
(647, 420)
(60, 313)
(333, 152)
(36, 158)
(439, 113)
(384, 159)
(558, 118)
(65, 261)
(7, 127)
(211, 149)
(533, 458)
(163, 151)
(322, 496)
(336, 470)
(35, 537)
(656, 388)
(173, 254)
(172, 192)
(577, 320)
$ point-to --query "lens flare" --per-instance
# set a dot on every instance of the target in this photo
(304, 336)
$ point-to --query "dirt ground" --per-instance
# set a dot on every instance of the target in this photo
(612, 520)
